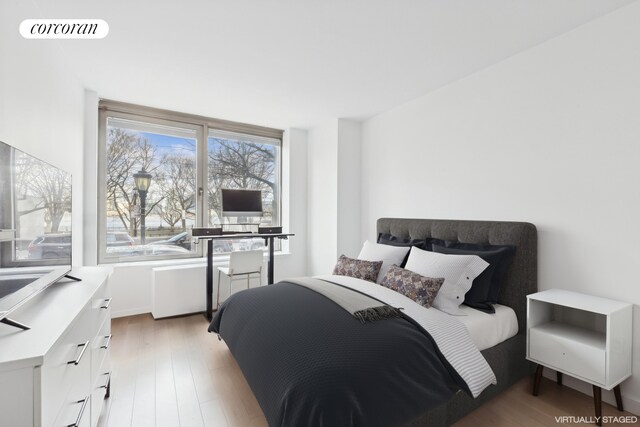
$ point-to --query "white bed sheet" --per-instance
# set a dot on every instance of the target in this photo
(486, 329)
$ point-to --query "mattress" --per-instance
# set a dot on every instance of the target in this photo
(488, 330)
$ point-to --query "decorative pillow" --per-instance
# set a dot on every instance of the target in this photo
(391, 240)
(389, 255)
(501, 268)
(360, 269)
(421, 289)
(489, 281)
(458, 272)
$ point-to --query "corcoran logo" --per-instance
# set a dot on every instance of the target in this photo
(64, 29)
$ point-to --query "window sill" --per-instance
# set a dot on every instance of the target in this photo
(217, 259)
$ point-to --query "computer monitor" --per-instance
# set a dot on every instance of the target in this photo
(241, 202)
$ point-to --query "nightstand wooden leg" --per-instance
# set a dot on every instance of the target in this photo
(536, 381)
(597, 401)
(559, 378)
(616, 391)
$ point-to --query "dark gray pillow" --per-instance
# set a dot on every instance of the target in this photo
(486, 287)
(426, 243)
(358, 268)
(391, 240)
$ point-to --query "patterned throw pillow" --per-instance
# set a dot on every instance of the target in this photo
(358, 268)
(421, 289)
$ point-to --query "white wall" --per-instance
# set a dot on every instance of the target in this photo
(90, 176)
(349, 171)
(332, 198)
(41, 103)
(549, 136)
(294, 204)
(322, 202)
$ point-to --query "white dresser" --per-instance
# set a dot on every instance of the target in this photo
(57, 373)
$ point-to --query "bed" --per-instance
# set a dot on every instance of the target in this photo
(290, 358)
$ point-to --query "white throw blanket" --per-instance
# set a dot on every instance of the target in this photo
(450, 335)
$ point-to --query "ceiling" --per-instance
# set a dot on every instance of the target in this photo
(296, 63)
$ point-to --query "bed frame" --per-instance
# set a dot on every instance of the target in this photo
(508, 358)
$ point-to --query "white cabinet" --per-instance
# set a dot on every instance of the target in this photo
(582, 336)
(57, 373)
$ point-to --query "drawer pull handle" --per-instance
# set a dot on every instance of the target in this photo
(79, 358)
(81, 413)
(107, 303)
(106, 384)
(107, 343)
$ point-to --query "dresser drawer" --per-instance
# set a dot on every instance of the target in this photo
(75, 413)
(572, 357)
(66, 367)
(76, 406)
(100, 348)
(98, 394)
(101, 305)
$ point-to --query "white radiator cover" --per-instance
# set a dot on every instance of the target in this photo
(179, 290)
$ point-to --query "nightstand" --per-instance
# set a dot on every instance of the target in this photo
(583, 336)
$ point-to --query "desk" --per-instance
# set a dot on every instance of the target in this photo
(268, 238)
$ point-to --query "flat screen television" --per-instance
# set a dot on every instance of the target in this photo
(35, 227)
(241, 202)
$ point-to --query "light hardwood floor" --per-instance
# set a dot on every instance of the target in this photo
(172, 373)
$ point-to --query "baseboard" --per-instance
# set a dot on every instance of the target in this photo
(130, 312)
(629, 404)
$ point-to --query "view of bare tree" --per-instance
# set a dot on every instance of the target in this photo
(173, 192)
(48, 188)
(127, 152)
(177, 182)
(242, 165)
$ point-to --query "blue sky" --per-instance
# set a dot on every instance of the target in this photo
(166, 143)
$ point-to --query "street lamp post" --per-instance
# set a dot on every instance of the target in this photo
(142, 181)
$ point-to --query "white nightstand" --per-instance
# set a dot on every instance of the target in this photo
(583, 336)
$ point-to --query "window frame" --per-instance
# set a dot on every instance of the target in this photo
(201, 125)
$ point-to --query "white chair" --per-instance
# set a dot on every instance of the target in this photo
(242, 265)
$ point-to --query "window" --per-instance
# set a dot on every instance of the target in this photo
(161, 177)
(243, 162)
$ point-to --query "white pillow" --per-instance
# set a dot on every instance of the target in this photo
(388, 254)
(458, 272)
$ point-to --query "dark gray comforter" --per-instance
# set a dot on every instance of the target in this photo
(310, 363)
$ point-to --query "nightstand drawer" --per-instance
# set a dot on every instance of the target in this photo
(570, 356)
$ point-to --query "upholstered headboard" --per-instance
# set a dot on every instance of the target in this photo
(522, 277)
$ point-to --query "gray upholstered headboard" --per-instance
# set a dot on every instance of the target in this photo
(521, 278)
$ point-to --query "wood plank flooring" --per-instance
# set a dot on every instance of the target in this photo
(172, 372)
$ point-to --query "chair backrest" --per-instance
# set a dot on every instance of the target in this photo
(242, 262)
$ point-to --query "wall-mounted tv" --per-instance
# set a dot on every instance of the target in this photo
(241, 202)
(35, 227)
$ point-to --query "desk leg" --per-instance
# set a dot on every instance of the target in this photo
(270, 267)
(209, 313)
